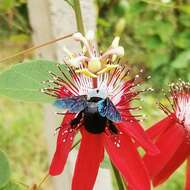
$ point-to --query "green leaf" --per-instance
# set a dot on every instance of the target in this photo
(158, 58)
(24, 80)
(161, 27)
(182, 40)
(182, 60)
(184, 19)
(153, 42)
(4, 170)
(11, 186)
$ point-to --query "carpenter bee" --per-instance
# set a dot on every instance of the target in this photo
(95, 113)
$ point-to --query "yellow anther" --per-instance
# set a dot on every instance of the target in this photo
(107, 68)
(86, 72)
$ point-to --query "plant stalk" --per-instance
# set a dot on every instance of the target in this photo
(118, 178)
(78, 15)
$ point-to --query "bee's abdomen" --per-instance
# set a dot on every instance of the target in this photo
(94, 123)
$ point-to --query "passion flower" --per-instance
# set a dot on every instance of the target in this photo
(97, 98)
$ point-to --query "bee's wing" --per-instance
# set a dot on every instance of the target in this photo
(73, 104)
(107, 109)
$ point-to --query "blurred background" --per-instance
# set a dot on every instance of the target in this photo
(156, 38)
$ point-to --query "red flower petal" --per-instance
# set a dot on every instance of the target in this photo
(187, 184)
(134, 130)
(168, 143)
(90, 155)
(64, 143)
(157, 129)
(177, 159)
(125, 157)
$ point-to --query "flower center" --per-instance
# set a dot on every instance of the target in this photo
(94, 65)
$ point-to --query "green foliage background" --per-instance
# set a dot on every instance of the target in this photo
(156, 38)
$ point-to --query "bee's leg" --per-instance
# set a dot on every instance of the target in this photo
(73, 123)
(76, 120)
(112, 127)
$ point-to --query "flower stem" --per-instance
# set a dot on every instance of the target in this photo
(118, 178)
(78, 15)
(43, 181)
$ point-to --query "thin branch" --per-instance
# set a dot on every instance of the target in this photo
(27, 51)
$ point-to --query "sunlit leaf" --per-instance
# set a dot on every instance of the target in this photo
(6, 5)
(185, 8)
(24, 81)
(4, 170)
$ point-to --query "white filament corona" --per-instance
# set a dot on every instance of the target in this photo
(107, 86)
(183, 109)
(181, 97)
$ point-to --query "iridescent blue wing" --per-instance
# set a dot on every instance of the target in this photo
(107, 109)
(73, 104)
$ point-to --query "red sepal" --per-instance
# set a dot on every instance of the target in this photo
(176, 161)
(90, 155)
(160, 127)
(134, 130)
(168, 143)
(127, 160)
(64, 144)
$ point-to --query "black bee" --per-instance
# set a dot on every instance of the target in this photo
(95, 113)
